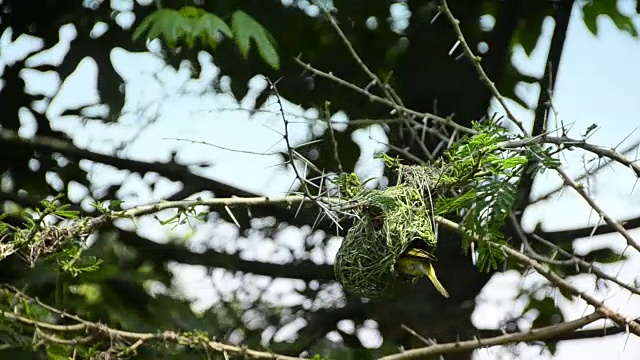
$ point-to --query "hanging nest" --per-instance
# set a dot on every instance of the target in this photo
(387, 222)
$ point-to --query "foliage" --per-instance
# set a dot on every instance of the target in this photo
(592, 10)
(121, 292)
(40, 237)
(485, 175)
(190, 24)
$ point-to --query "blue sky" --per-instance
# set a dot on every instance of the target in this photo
(597, 83)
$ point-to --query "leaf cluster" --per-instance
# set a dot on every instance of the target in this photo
(53, 232)
(189, 25)
(486, 176)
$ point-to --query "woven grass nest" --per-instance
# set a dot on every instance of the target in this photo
(387, 222)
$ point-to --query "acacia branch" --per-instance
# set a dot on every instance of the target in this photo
(572, 261)
(387, 90)
(600, 151)
(613, 223)
(564, 235)
(561, 140)
(113, 336)
(171, 171)
(387, 102)
(305, 270)
(531, 335)
(475, 60)
(586, 266)
(593, 170)
(596, 332)
(554, 278)
(216, 202)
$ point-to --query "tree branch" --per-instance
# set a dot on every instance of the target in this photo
(114, 336)
(475, 60)
(555, 279)
(387, 102)
(593, 170)
(572, 261)
(171, 171)
(531, 335)
(585, 232)
(305, 270)
(566, 336)
(569, 142)
(613, 223)
(547, 84)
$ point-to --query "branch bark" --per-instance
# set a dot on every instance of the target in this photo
(531, 335)
(171, 171)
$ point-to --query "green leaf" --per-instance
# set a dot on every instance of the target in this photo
(209, 26)
(170, 24)
(167, 23)
(192, 12)
(624, 23)
(528, 34)
(609, 8)
(57, 352)
(144, 26)
(590, 15)
(213, 24)
(187, 24)
(242, 25)
(604, 255)
(448, 205)
(548, 312)
(246, 28)
(514, 162)
(68, 214)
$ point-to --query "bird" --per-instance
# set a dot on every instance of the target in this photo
(416, 262)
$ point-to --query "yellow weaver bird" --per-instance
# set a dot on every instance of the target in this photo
(416, 262)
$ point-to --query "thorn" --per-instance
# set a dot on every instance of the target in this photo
(235, 221)
(454, 47)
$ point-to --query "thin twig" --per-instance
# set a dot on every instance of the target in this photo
(586, 174)
(569, 142)
(358, 59)
(290, 149)
(387, 90)
(135, 337)
(572, 261)
(475, 60)
(586, 266)
(376, 98)
(613, 223)
(334, 143)
(554, 278)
